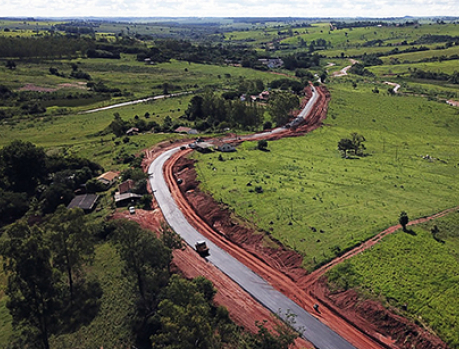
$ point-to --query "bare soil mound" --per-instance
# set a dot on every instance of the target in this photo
(220, 219)
(372, 316)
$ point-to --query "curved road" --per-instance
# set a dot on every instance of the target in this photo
(307, 325)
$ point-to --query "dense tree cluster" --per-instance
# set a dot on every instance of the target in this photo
(47, 290)
(209, 111)
(119, 126)
(354, 144)
(301, 60)
(289, 84)
(41, 47)
(28, 175)
(359, 69)
(280, 105)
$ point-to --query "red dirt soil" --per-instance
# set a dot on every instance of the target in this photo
(364, 324)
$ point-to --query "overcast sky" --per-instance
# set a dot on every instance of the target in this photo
(229, 8)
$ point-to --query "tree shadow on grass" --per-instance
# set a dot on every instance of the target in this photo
(84, 307)
(410, 231)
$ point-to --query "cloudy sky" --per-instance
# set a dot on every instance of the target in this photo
(229, 8)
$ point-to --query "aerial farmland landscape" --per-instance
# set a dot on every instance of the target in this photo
(229, 176)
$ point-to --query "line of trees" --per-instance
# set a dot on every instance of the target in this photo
(430, 75)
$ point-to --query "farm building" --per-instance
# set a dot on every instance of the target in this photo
(86, 202)
(126, 186)
(108, 178)
(126, 198)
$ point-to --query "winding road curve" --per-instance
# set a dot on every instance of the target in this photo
(307, 325)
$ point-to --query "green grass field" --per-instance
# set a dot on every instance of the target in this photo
(448, 67)
(128, 74)
(307, 184)
(415, 270)
(313, 200)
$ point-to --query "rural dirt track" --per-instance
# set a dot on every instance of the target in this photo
(343, 72)
(305, 290)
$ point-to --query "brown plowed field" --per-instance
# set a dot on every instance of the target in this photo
(364, 324)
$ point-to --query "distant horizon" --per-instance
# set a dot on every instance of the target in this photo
(227, 17)
(229, 9)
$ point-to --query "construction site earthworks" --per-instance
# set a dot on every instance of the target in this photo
(363, 323)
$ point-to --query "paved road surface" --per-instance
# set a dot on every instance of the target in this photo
(296, 121)
(310, 328)
(306, 324)
(136, 102)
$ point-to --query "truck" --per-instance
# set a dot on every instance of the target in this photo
(202, 249)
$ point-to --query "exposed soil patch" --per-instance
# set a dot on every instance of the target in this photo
(343, 312)
(33, 87)
(369, 317)
(348, 303)
(244, 310)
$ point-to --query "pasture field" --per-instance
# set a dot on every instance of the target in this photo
(253, 37)
(413, 57)
(356, 37)
(135, 77)
(448, 67)
(307, 184)
(413, 270)
(78, 134)
(360, 50)
(352, 52)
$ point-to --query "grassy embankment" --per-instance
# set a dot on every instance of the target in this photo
(307, 183)
(413, 270)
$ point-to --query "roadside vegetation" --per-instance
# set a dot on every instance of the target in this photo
(379, 154)
(320, 203)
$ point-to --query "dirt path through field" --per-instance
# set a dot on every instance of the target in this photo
(314, 276)
(343, 71)
(396, 86)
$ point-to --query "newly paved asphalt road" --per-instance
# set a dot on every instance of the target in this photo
(310, 328)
